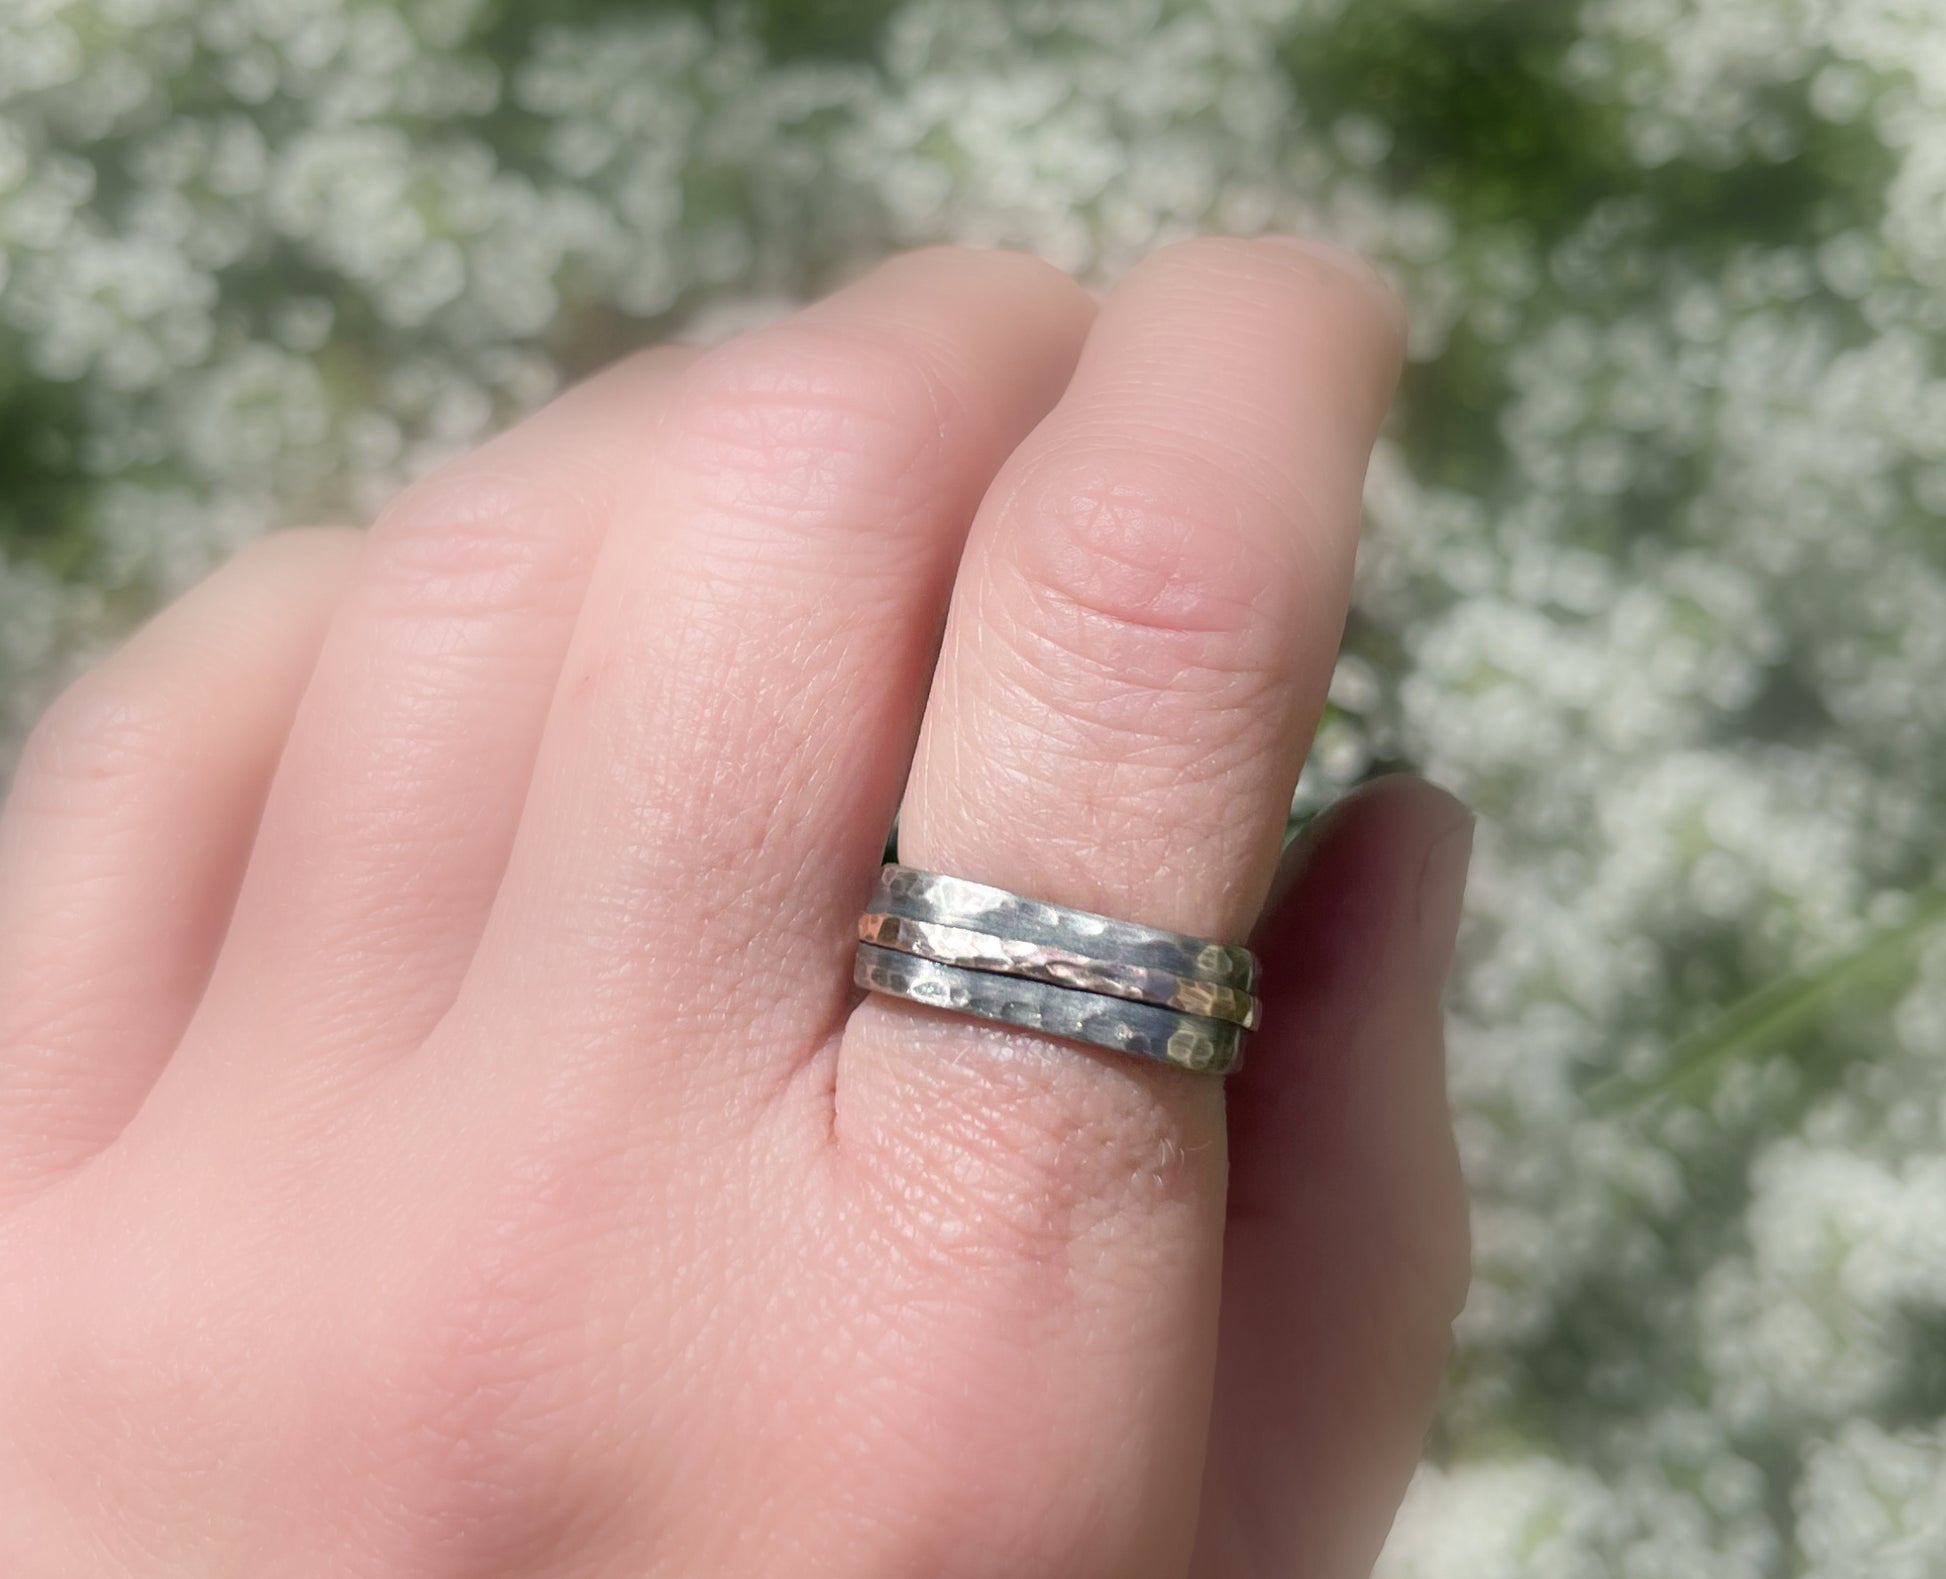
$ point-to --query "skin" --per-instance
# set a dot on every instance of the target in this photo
(438, 1136)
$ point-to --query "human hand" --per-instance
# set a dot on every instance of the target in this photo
(438, 1132)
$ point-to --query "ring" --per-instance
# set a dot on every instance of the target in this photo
(995, 955)
(951, 945)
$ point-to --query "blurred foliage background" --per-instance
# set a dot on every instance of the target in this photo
(1655, 572)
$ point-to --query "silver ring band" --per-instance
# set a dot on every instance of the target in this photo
(1188, 1041)
(972, 950)
(955, 902)
(996, 955)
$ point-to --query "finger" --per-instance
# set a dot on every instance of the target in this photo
(1345, 1257)
(388, 828)
(126, 834)
(1141, 636)
(737, 714)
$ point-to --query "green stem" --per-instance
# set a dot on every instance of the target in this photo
(1766, 1016)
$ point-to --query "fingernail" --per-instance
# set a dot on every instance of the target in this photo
(1442, 897)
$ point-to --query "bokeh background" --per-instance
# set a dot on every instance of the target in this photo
(1655, 572)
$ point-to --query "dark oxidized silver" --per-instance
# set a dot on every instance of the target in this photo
(955, 902)
(1188, 1041)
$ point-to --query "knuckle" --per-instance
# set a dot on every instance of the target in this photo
(1021, 271)
(477, 539)
(1147, 572)
(115, 1395)
(460, 1461)
(106, 731)
(1197, 255)
(477, 1413)
(1312, 269)
(803, 423)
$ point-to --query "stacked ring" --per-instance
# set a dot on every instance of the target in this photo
(996, 955)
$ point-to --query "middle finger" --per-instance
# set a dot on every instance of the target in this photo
(737, 711)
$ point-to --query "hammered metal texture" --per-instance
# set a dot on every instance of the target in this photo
(1188, 1041)
(973, 950)
(955, 902)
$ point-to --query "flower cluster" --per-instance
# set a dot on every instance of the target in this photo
(1656, 574)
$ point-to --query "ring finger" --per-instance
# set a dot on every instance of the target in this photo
(1142, 632)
